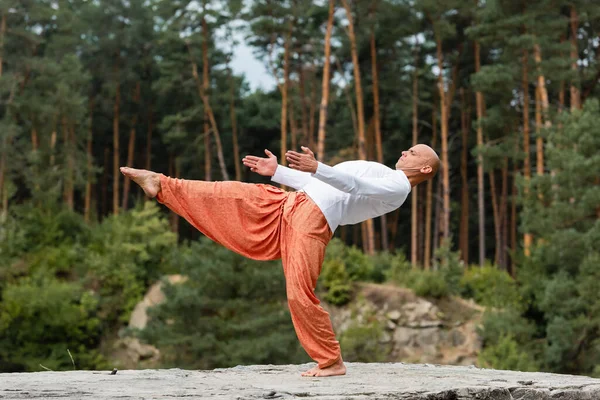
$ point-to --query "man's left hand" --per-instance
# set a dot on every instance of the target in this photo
(304, 162)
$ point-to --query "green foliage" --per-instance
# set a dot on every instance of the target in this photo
(508, 355)
(230, 311)
(360, 341)
(491, 287)
(41, 318)
(125, 253)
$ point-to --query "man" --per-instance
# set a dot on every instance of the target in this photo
(263, 222)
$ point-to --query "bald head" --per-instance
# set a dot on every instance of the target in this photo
(430, 158)
(419, 163)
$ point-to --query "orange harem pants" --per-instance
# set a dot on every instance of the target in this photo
(263, 222)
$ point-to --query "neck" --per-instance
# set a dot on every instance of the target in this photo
(414, 177)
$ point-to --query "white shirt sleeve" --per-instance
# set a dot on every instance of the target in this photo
(291, 177)
(391, 188)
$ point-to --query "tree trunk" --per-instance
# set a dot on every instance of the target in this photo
(304, 112)
(538, 133)
(131, 146)
(34, 138)
(543, 99)
(428, 201)
(68, 177)
(504, 217)
(574, 24)
(527, 239)
(378, 140)
(236, 149)
(496, 214)
(116, 174)
(480, 179)
(437, 219)
(349, 100)
(88, 183)
(370, 245)
(311, 111)
(205, 101)
(207, 152)
(464, 197)
(149, 138)
(444, 140)
(284, 96)
(105, 200)
(293, 125)
(325, 85)
(414, 195)
(513, 217)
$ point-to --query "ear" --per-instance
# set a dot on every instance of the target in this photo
(426, 169)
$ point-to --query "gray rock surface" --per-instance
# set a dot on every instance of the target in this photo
(363, 381)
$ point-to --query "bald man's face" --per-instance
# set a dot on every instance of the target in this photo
(419, 158)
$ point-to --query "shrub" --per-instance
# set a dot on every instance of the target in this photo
(507, 355)
(360, 343)
(491, 287)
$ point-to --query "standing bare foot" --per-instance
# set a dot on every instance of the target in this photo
(149, 181)
(336, 369)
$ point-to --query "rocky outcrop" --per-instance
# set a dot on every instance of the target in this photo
(129, 352)
(414, 329)
(362, 382)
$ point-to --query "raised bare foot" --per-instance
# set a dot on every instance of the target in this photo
(149, 181)
(336, 369)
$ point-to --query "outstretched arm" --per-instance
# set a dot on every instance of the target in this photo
(391, 188)
(269, 167)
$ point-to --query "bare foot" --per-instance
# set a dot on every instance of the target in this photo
(149, 181)
(336, 369)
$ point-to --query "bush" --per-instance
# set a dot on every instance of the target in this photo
(41, 318)
(336, 281)
(430, 284)
(491, 287)
(360, 343)
(507, 355)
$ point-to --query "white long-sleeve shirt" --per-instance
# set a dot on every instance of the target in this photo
(350, 192)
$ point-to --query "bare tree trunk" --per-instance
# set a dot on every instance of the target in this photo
(293, 125)
(116, 139)
(304, 112)
(437, 222)
(105, 180)
(236, 148)
(496, 215)
(415, 137)
(311, 111)
(68, 179)
(513, 217)
(574, 24)
(207, 150)
(34, 138)
(444, 125)
(543, 99)
(131, 146)
(378, 140)
(325, 85)
(527, 239)
(149, 138)
(428, 201)
(504, 217)
(480, 180)
(284, 95)
(464, 197)
(370, 245)
(349, 100)
(88, 184)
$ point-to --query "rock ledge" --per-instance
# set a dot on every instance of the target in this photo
(364, 381)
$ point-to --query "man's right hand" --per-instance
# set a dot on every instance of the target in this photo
(265, 166)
